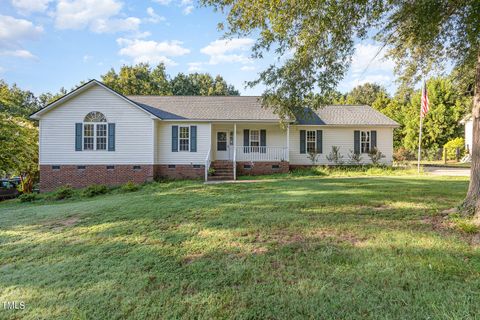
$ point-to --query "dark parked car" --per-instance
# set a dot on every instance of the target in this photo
(8, 189)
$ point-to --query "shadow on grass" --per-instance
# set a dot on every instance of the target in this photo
(321, 248)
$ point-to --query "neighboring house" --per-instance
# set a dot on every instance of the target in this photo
(467, 121)
(94, 135)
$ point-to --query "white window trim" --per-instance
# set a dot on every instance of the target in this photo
(314, 140)
(369, 134)
(251, 140)
(94, 136)
(179, 138)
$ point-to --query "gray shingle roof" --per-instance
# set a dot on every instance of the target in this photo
(205, 107)
(250, 108)
(345, 115)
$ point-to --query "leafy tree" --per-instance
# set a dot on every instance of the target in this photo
(17, 102)
(139, 79)
(201, 84)
(315, 42)
(19, 151)
(47, 98)
(441, 123)
(366, 94)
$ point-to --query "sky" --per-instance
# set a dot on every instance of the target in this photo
(49, 44)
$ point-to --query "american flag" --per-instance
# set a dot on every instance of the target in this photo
(424, 107)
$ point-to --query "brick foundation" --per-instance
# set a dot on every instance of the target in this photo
(259, 168)
(179, 171)
(50, 178)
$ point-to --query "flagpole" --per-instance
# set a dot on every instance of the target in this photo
(420, 140)
(420, 133)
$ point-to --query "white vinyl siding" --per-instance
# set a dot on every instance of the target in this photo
(133, 131)
(164, 144)
(341, 137)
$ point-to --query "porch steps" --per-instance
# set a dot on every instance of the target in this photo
(223, 171)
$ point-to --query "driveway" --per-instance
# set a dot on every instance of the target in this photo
(444, 171)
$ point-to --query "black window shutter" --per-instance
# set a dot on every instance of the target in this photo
(111, 137)
(373, 139)
(193, 138)
(78, 136)
(263, 141)
(246, 140)
(356, 141)
(303, 148)
(319, 141)
(174, 138)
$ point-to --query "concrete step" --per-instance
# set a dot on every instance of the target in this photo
(217, 178)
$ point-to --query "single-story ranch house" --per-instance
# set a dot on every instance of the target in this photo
(94, 135)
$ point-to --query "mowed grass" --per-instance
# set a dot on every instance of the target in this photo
(309, 247)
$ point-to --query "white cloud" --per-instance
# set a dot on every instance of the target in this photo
(87, 58)
(2, 69)
(187, 10)
(364, 59)
(247, 68)
(98, 15)
(163, 2)
(154, 17)
(151, 51)
(28, 6)
(195, 66)
(372, 78)
(19, 53)
(220, 51)
(14, 30)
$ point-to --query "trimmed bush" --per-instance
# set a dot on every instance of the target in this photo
(27, 197)
(451, 148)
(402, 155)
(64, 192)
(95, 190)
(130, 187)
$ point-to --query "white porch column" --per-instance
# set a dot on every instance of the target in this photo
(234, 151)
(288, 142)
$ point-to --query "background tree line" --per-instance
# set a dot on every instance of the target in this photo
(19, 135)
(449, 103)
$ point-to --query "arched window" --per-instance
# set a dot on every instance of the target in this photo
(95, 131)
(95, 116)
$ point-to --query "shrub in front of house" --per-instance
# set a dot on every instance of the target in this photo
(375, 156)
(402, 155)
(355, 158)
(335, 156)
(94, 190)
(130, 187)
(64, 192)
(27, 197)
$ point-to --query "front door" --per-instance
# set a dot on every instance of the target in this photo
(223, 150)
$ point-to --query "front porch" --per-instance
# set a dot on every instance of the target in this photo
(246, 149)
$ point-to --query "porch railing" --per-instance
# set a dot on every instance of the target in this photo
(208, 161)
(244, 153)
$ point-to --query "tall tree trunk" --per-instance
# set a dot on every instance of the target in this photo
(471, 204)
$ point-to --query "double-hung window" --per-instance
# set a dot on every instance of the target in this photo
(365, 141)
(311, 141)
(95, 131)
(254, 140)
(184, 139)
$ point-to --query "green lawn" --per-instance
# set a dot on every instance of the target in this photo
(308, 247)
